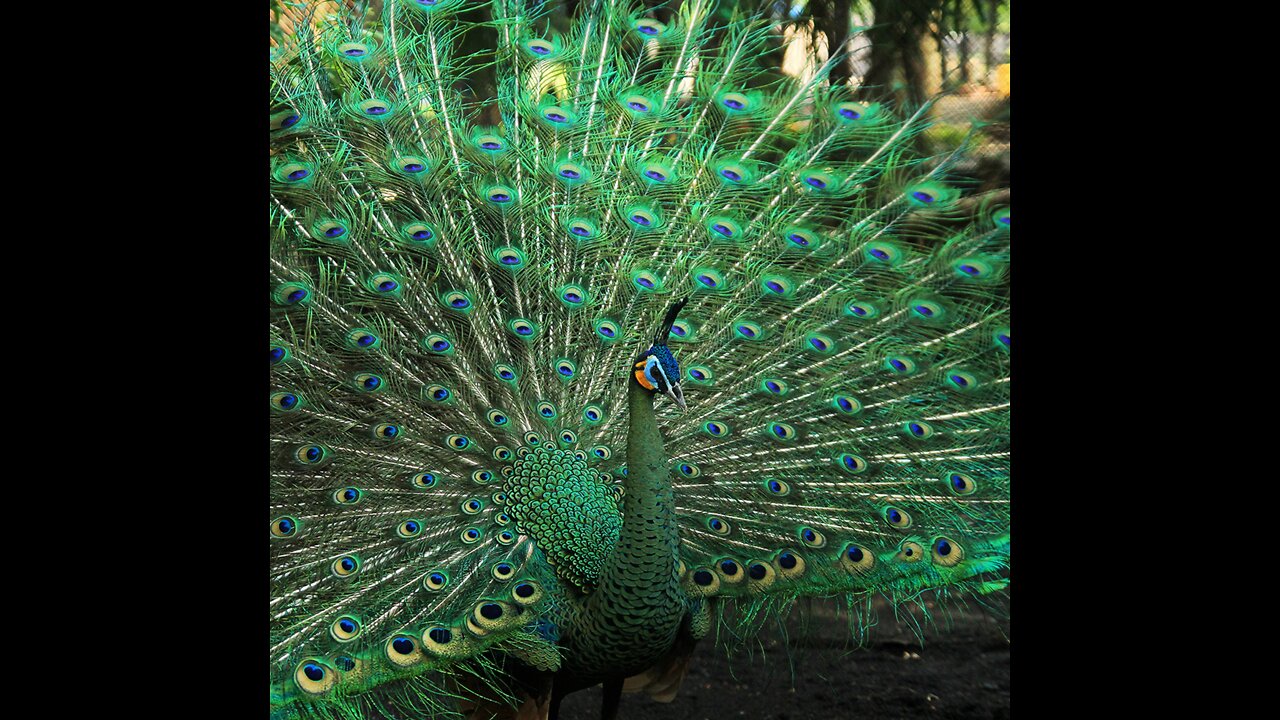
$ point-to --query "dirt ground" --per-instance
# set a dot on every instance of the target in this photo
(961, 673)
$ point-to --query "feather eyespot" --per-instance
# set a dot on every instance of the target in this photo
(311, 454)
(286, 401)
(345, 629)
(918, 429)
(856, 559)
(961, 484)
(458, 442)
(811, 538)
(284, 527)
(456, 300)
(347, 495)
(774, 386)
(593, 414)
(846, 405)
(438, 344)
(435, 580)
(897, 518)
(910, 552)
(506, 373)
(718, 526)
(777, 487)
(346, 566)
(851, 463)
(425, 480)
(409, 528)
(386, 431)
(402, 650)
(716, 428)
(471, 535)
(946, 552)
(314, 677)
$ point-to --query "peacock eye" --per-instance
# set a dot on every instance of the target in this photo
(509, 257)
(542, 48)
(425, 480)
(568, 437)
(781, 431)
(279, 355)
(918, 429)
(386, 431)
(774, 386)
(437, 344)
(856, 560)
(884, 252)
(417, 234)
(708, 279)
(438, 393)
(718, 526)
(688, 469)
(716, 428)
(531, 439)
(523, 329)
(911, 552)
(777, 487)
(847, 111)
(409, 528)
(345, 629)
(593, 414)
(900, 364)
(566, 369)
(812, 538)
(497, 418)
(353, 50)
(292, 172)
(311, 454)
(946, 552)
(862, 310)
(346, 566)
(435, 580)
(291, 293)
(368, 382)
(961, 484)
(456, 300)
(820, 343)
(374, 108)
(472, 506)
(927, 309)
(851, 463)
(649, 28)
(402, 650)
(503, 571)
(286, 401)
(897, 518)
(362, 339)
(546, 410)
(458, 442)
(505, 537)
(347, 495)
(735, 101)
(283, 527)
(573, 295)
(471, 535)
(607, 329)
(747, 330)
(526, 592)
(500, 194)
(482, 477)
(314, 677)
(846, 405)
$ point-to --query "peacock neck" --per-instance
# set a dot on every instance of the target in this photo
(636, 609)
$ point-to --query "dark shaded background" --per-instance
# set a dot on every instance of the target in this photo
(961, 672)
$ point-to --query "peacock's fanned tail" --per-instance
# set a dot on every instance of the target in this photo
(477, 220)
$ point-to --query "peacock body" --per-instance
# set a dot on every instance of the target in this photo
(561, 370)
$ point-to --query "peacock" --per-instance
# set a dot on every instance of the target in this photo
(593, 334)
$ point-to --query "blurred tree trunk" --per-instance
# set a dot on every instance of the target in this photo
(940, 39)
(962, 26)
(831, 18)
(897, 39)
(989, 35)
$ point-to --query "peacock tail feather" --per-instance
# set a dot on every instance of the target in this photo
(460, 283)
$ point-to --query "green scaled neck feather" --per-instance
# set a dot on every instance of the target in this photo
(588, 323)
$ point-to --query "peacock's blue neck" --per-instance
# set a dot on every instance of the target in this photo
(635, 612)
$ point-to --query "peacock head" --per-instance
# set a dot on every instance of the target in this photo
(656, 369)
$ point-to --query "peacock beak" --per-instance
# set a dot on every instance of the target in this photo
(677, 395)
